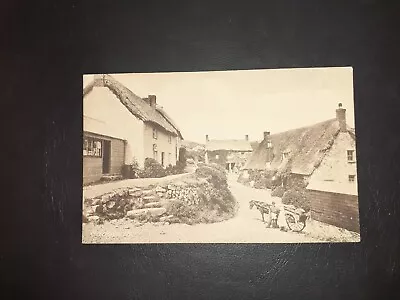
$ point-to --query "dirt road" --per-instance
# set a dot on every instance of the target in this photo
(245, 227)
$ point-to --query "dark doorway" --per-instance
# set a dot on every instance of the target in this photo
(106, 157)
(162, 158)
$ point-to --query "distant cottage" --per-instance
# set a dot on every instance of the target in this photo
(119, 128)
(231, 154)
(321, 157)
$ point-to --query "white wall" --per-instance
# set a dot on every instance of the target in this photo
(163, 144)
(103, 105)
(333, 173)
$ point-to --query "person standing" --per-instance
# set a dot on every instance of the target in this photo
(274, 212)
(281, 222)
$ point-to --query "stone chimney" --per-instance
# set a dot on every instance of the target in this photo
(341, 117)
(207, 138)
(152, 101)
(266, 135)
(267, 138)
(246, 137)
(98, 79)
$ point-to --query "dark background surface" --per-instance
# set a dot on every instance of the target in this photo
(45, 49)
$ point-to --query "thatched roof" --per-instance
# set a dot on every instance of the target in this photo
(136, 105)
(192, 145)
(161, 110)
(352, 132)
(231, 145)
(254, 145)
(305, 148)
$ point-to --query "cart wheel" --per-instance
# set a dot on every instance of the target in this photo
(293, 225)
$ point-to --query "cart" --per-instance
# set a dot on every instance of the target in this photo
(295, 218)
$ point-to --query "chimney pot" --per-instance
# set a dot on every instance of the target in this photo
(247, 137)
(266, 135)
(341, 117)
(152, 101)
(207, 138)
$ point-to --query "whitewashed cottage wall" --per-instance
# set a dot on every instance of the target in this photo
(103, 105)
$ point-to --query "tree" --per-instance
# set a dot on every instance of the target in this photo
(182, 156)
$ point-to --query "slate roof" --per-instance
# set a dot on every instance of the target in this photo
(136, 105)
(305, 146)
(231, 145)
(334, 187)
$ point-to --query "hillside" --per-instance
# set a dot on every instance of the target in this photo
(191, 145)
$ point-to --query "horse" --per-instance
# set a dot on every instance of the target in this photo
(262, 207)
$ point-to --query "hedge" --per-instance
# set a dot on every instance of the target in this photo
(297, 198)
(278, 192)
(152, 169)
(213, 174)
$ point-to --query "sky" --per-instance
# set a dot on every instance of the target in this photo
(231, 104)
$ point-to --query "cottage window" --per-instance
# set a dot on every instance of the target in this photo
(352, 178)
(155, 133)
(92, 147)
(350, 155)
(155, 155)
(216, 156)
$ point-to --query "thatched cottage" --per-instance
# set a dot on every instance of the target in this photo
(322, 159)
(119, 128)
(231, 154)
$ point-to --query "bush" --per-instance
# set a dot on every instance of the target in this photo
(214, 176)
(296, 182)
(180, 166)
(182, 157)
(152, 169)
(181, 210)
(218, 167)
(131, 171)
(297, 198)
(276, 181)
(170, 170)
(262, 179)
(214, 201)
(174, 170)
(278, 192)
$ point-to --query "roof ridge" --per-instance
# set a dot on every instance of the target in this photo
(305, 127)
(306, 144)
(134, 103)
(223, 140)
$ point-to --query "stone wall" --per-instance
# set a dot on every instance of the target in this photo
(148, 204)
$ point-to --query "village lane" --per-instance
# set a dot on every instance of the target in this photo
(245, 227)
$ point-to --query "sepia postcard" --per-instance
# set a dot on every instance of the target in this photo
(249, 156)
